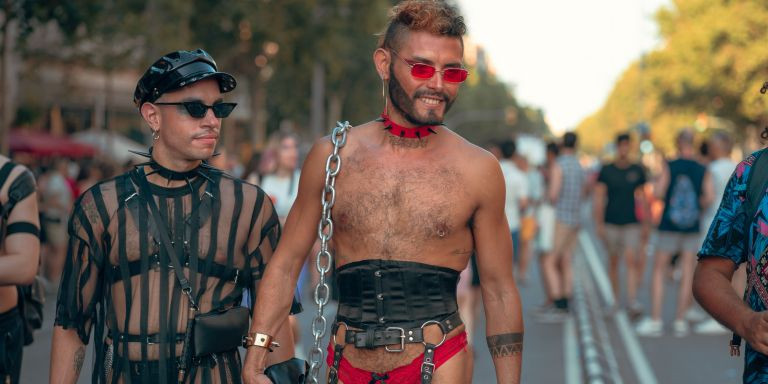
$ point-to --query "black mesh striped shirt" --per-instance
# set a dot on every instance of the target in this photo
(119, 283)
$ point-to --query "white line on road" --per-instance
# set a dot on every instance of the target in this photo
(640, 364)
(601, 278)
(573, 373)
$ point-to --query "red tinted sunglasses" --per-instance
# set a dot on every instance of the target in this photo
(426, 71)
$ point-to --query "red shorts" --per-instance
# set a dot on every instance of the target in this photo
(406, 374)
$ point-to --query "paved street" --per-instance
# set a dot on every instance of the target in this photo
(590, 347)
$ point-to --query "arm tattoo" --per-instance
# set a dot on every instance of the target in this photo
(508, 344)
(79, 358)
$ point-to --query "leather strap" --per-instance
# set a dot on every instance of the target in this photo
(428, 363)
(216, 270)
(22, 227)
(145, 194)
(333, 370)
(5, 171)
(149, 339)
(378, 337)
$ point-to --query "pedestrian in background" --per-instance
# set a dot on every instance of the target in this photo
(616, 222)
(282, 185)
(681, 186)
(57, 195)
(545, 215)
(565, 192)
(529, 226)
(516, 201)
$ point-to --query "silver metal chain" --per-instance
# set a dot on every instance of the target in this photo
(324, 259)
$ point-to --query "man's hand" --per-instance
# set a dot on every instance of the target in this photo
(756, 331)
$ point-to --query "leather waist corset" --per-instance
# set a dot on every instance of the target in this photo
(402, 293)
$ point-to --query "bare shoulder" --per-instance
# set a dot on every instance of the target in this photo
(476, 161)
(355, 137)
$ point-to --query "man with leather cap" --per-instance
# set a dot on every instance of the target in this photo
(413, 200)
(160, 256)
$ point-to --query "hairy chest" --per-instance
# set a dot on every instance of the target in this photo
(393, 208)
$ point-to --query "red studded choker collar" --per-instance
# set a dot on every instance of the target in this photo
(408, 133)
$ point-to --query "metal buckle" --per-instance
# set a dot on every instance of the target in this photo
(424, 336)
(402, 340)
(432, 369)
(346, 328)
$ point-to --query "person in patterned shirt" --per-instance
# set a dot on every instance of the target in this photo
(731, 241)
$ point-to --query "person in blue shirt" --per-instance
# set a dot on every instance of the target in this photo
(731, 241)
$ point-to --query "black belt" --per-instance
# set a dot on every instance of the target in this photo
(384, 336)
(377, 337)
(148, 339)
(216, 270)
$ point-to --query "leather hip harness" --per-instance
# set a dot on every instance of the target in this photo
(390, 303)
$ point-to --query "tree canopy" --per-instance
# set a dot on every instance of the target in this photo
(707, 73)
(308, 61)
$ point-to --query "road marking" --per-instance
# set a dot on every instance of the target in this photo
(600, 360)
(573, 373)
(640, 364)
(598, 272)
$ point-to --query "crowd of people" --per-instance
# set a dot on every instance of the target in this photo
(635, 214)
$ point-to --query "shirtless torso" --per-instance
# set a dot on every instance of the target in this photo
(430, 199)
(407, 204)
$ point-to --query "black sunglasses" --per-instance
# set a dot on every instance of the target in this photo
(198, 110)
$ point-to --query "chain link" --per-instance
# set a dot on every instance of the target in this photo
(324, 259)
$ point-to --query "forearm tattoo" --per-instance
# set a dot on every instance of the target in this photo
(79, 358)
(508, 344)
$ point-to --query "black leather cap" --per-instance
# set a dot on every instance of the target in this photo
(178, 69)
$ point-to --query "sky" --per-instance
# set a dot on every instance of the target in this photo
(563, 56)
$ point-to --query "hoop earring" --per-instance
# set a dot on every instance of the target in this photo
(155, 135)
(384, 95)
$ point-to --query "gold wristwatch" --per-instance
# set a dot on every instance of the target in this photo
(262, 340)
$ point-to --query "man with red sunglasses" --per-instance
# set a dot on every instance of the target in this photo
(411, 202)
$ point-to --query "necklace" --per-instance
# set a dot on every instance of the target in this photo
(398, 130)
(171, 174)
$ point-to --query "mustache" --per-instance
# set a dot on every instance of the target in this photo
(438, 95)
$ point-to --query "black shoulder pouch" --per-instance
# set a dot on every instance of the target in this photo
(220, 330)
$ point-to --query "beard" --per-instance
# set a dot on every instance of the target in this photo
(404, 103)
